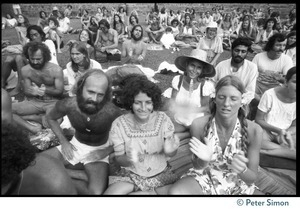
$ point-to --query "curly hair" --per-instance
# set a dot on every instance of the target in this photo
(80, 46)
(105, 23)
(133, 84)
(17, 153)
(271, 42)
(241, 41)
(230, 80)
(81, 82)
(55, 21)
(33, 47)
(269, 20)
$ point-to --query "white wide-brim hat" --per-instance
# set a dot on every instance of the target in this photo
(212, 25)
(54, 8)
(199, 55)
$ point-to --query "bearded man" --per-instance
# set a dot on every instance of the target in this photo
(91, 114)
(43, 85)
(239, 66)
(134, 50)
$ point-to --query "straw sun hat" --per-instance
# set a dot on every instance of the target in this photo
(199, 55)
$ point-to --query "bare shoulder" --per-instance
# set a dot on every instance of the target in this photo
(254, 130)
(253, 127)
(48, 175)
(26, 70)
(113, 31)
(198, 125)
(54, 68)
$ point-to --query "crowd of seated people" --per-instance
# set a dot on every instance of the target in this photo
(209, 104)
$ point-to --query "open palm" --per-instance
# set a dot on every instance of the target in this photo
(201, 150)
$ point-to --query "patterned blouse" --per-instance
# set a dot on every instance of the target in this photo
(218, 178)
(126, 135)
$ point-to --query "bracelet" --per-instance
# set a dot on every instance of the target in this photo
(244, 171)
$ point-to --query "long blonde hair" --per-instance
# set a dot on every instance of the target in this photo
(230, 80)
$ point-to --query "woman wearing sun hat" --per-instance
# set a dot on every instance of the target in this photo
(190, 92)
(211, 43)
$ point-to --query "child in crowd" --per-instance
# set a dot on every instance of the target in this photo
(53, 33)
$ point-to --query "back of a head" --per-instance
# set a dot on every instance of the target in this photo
(17, 153)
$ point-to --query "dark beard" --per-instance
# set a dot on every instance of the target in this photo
(89, 107)
(135, 38)
(238, 60)
(37, 66)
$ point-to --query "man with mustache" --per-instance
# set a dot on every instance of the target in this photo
(239, 66)
(13, 64)
(43, 85)
(272, 64)
(134, 50)
(91, 114)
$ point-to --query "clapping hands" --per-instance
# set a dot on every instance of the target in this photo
(171, 144)
(133, 156)
(201, 150)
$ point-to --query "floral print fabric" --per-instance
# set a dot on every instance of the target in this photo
(218, 178)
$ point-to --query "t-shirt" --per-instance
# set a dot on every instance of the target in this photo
(51, 46)
(280, 65)
(167, 40)
(64, 24)
(268, 68)
(248, 74)
(278, 113)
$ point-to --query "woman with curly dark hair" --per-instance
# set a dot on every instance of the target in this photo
(225, 147)
(143, 141)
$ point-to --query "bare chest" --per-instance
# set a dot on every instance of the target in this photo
(42, 77)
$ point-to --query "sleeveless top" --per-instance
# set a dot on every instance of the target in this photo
(218, 178)
(187, 31)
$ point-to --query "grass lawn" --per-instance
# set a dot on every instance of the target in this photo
(152, 60)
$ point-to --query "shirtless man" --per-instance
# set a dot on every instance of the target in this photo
(43, 86)
(106, 41)
(134, 50)
(17, 61)
(29, 174)
(91, 114)
(155, 31)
